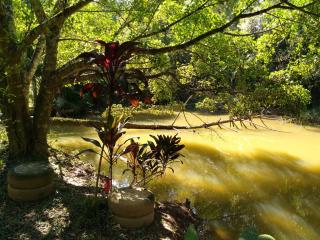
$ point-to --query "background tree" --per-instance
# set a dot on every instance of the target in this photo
(41, 38)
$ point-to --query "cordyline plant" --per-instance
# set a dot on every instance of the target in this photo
(109, 149)
(145, 161)
(151, 160)
(116, 83)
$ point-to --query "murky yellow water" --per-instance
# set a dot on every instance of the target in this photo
(238, 178)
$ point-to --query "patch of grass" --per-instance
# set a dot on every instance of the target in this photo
(145, 111)
(3, 144)
(3, 134)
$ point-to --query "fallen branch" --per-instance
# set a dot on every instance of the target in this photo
(129, 125)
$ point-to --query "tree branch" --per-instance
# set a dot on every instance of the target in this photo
(8, 37)
(37, 31)
(153, 51)
(166, 28)
(35, 60)
(38, 10)
(90, 123)
(302, 9)
(76, 39)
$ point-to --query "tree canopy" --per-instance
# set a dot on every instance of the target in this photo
(240, 56)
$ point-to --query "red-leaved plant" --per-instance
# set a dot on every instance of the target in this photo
(110, 149)
(116, 83)
(115, 80)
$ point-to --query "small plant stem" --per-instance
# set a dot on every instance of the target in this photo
(109, 111)
(110, 166)
(98, 175)
(108, 123)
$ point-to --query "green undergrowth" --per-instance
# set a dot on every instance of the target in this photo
(141, 113)
(144, 111)
(311, 116)
(3, 135)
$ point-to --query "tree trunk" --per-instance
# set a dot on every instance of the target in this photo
(13, 100)
(16, 112)
(28, 136)
(47, 91)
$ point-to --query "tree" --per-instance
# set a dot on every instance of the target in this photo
(23, 40)
(28, 136)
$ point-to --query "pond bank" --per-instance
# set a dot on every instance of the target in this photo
(69, 213)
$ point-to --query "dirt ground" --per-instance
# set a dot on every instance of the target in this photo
(70, 213)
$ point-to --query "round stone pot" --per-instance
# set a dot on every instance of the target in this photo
(132, 207)
(30, 181)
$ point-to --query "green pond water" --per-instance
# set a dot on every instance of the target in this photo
(235, 178)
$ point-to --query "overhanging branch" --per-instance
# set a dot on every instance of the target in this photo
(166, 28)
(303, 8)
(153, 51)
(37, 31)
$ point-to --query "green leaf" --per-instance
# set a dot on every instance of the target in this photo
(191, 233)
(86, 151)
(93, 141)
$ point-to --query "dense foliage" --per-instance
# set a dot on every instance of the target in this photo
(267, 63)
(221, 52)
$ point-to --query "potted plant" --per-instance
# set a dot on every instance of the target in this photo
(133, 206)
(116, 83)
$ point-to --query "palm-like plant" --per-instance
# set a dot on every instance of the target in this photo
(166, 150)
(150, 160)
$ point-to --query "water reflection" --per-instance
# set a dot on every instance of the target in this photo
(264, 179)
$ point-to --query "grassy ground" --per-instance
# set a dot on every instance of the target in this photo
(70, 213)
(3, 143)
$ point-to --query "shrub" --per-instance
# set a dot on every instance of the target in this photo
(284, 98)
(207, 104)
(311, 116)
(280, 98)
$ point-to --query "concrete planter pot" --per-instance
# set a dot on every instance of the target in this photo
(132, 207)
(30, 181)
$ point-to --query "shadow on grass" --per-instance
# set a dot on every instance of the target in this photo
(70, 213)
